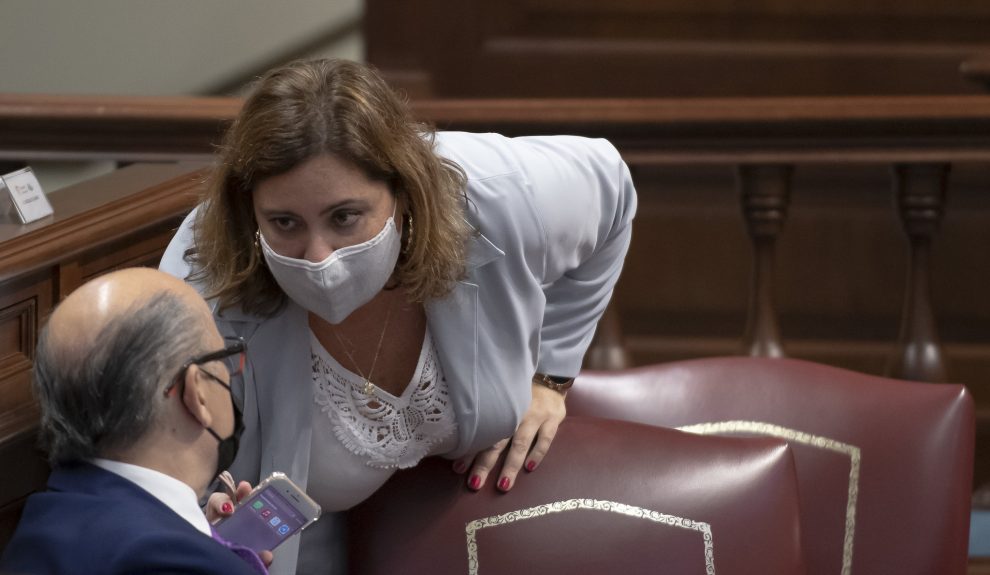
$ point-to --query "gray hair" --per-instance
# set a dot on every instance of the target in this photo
(108, 397)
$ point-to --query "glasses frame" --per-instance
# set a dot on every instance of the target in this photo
(234, 346)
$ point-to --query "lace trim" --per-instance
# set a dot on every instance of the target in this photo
(393, 432)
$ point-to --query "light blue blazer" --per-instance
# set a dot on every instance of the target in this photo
(553, 220)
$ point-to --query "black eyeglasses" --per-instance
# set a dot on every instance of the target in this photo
(233, 356)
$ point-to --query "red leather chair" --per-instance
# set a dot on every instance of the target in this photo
(884, 466)
(611, 497)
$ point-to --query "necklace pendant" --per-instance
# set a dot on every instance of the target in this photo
(368, 388)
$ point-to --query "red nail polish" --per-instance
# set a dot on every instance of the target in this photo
(503, 484)
(460, 467)
(475, 482)
(530, 465)
(227, 507)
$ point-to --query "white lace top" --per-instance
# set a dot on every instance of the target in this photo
(359, 440)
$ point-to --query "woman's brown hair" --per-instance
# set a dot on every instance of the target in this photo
(314, 107)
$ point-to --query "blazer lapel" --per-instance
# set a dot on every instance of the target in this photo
(284, 394)
(453, 323)
(277, 391)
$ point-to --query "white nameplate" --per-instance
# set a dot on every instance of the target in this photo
(25, 193)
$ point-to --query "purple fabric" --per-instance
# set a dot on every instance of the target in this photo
(245, 553)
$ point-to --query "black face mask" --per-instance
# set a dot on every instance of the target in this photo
(227, 447)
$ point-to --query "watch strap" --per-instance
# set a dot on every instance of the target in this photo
(554, 382)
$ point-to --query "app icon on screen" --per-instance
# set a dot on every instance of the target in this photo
(275, 521)
(266, 512)
(283, 529)
(257, 505)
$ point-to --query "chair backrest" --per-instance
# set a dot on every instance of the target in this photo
(884, 466)
(610, 497)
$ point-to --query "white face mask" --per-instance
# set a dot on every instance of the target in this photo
(349, 278)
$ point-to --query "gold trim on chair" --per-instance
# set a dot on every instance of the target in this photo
(762, 428)
(593, 504)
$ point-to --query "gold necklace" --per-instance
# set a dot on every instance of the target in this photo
(368, 388)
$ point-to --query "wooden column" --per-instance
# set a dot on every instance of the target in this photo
(977, 69)
(764, 192)
(920, 192)
(608, 351)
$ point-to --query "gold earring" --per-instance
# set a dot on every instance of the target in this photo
(409, 232)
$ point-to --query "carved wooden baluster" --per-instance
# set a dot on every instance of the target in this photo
(977, 69)
(608, 350)
(920, 191)
(765, 193)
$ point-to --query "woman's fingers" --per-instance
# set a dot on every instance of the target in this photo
(551, 409)
(519, 448)
(266, 557)
(243, 489)
(535, 434)
(461, 465)
(218, 506)
(526, 448)
(484, 462)
(226, 481)
(542, 445)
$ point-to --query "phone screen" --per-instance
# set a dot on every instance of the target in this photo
(264, 521)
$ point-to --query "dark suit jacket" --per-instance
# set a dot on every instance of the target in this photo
(94, 521)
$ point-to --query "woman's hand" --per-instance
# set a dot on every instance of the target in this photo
(220, 505)
(539, 424)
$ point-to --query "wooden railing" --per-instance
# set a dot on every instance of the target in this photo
(124, 129)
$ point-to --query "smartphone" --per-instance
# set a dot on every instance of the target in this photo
(274, 511)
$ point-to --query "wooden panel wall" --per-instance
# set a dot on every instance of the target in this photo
(123, 219)
(675, 48)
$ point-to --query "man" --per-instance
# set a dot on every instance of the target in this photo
(137, 415)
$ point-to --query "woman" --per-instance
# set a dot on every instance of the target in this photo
(403, 293)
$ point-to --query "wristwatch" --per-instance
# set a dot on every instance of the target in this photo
(554, 382)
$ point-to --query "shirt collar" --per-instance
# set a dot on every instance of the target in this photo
(175, 494)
